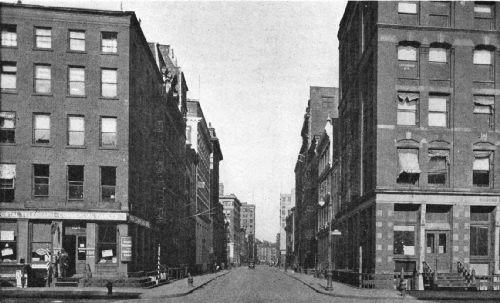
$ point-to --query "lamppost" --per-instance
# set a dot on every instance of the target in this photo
(336, 232)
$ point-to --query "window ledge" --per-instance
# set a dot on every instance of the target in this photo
(49, 145)
(6, 46)
(108, 148)
(75, 200)
(109, 54)
(76, 96)
(43, 49)
(10, 92)
(42, 94)
(109, 98)
(8, 144)
(76, 146)
(76, 51)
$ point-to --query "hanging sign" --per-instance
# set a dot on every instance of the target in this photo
(126, 248)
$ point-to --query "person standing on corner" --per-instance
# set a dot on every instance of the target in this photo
(63, 261)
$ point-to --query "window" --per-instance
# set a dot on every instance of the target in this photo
(409, 169)
(108, 183)
(8, 77)
(76, 130)
(481, 169)
(438, 167)
(109, 83)
(43, 37)
(109, 42)
(484, 15)
(41, 180)
(75, 182)
(106, 246)
(438, 113)
(407, 7)
(439, 13)
(483, 111)
(479, 240)
(8, 239)
(407, 53)
(41, 241)
(483, 57)
(77, 40)
(41, 128)
(7, 127)
(108, 132)
(7, 182)
(43, 75)
(404, 241)
(76, 81)
(407, 108)
(9, 35)
(438, 55)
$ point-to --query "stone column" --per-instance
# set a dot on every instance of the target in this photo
(91, 246)
(496, 242)
(422, 248)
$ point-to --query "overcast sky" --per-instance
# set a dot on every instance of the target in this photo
(251, 65)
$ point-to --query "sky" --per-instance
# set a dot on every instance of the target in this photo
(251, 65)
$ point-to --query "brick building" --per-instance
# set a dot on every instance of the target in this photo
(198, 137)
(217, 210)
(287, 201)
(83, 140)
(232, 213)
(418, 151)
(321, 104)
(248, 225)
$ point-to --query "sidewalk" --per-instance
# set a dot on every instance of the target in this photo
(175, 289)
(346, 291)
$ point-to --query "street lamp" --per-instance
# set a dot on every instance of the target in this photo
(335, 232)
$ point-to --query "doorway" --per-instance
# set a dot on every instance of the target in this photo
(437, 250)
(75, 246)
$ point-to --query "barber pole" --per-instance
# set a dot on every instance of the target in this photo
(158, 267)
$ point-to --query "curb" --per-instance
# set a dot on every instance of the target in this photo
(192, 289)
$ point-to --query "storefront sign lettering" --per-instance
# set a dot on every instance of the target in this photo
(63, 215)
(126, 248)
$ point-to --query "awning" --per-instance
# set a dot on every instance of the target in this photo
(408, 97)
(408, 163)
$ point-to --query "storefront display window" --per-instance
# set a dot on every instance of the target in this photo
(107, 244)
(41, 242)
(8, 245)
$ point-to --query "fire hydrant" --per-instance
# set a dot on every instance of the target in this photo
(190, 280)
(109, 286)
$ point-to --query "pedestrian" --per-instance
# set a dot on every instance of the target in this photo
(63, 260)
(57, 273)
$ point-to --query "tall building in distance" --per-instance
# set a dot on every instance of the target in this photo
(216, 208)
(232, 213)
(419, 184)
(287, 201)
(248, 225)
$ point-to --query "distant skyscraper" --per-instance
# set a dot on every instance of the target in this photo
(287, 201)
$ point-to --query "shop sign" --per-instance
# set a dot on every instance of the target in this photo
(126, 248)
(63, 215)
(90, 252)
(42, 251)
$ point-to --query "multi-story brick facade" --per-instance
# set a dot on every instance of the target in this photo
(232, 213)
(287, 201)
(419, 132)
(83, 140)
(217, 210)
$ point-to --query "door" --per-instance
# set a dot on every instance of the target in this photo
(437, 251)
(69, 244)
(81, 254)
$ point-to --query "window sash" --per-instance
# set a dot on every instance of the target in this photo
(8, 77)
(406, 117)
(482, 57)
(108, 125)
(407, 53)
(438, 55)
(77, 40)
(109, 42)
(7, 120)
(76, 81)
(43, 38)
(43, 79)
(407, 7)
(9, 36)
(481, 164)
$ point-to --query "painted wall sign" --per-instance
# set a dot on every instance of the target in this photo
(126, 248)
(64, 215)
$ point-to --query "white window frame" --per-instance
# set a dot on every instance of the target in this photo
(9, 35)
(76, 41)
(42, 39)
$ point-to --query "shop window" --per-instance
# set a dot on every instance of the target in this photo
(109, 42)
(8, 77)
(438, 111)
(41, 242)
(7, 182)
(438, 167)
(108, 183)
(484, 15)
(107, 244)
(481, 169)
(8, 241)
(76, 130)
(43, 38)
(7, 127)
(41, 173)
(409, 169)
(407, 113)
(479, 240)
(41, 128)
(404, 241)
(75, 182)
(43, 79)
(483, 60)
(77, 40)
(76, 81)
(9, 35)
(109, 83)
(108, 132)
(484, 108)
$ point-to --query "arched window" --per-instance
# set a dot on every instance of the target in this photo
(483, 57)
(407, 53)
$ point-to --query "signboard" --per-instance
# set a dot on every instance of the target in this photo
(42, 251)
(126, 248)
(66, 215)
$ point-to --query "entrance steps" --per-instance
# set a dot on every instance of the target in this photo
(452, 281)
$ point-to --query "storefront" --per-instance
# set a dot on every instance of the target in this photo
(100, 243)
